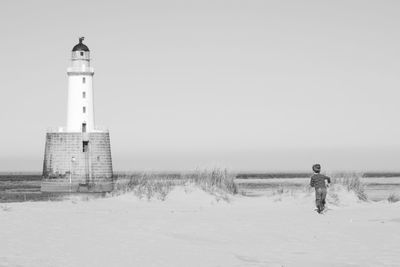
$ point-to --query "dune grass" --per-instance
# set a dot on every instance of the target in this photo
(352, 181)
(152, 185)
(145, 185)
(221, 183)
(215, 180)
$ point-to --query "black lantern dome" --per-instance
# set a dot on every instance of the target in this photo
(80, 46)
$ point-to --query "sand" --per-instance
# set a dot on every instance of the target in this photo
(193, 228)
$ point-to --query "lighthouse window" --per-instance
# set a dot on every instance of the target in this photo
(84, 80)
(84, 109)
(82, 54)
(83, 94)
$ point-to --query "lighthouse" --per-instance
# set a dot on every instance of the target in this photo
(80, 114)
(77, 157)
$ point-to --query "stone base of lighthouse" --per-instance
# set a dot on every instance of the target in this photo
(77, 162)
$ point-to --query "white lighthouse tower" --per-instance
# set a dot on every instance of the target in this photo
(77, 157)
(80, 114)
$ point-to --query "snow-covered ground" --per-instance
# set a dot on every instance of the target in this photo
(192, 228)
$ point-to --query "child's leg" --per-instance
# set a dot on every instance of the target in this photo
(323, 197)
(318, 199)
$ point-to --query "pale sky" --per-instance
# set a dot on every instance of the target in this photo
(247, 85)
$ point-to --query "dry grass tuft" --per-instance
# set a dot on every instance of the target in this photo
(212, 181)
(393, 198)
(352, 182)
(281, 190)
(145, 185)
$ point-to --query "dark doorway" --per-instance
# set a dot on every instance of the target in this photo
(83, 127)
(85, 146)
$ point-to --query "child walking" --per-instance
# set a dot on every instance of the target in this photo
(318, 182)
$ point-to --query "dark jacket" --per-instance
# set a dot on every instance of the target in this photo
(318, 180)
